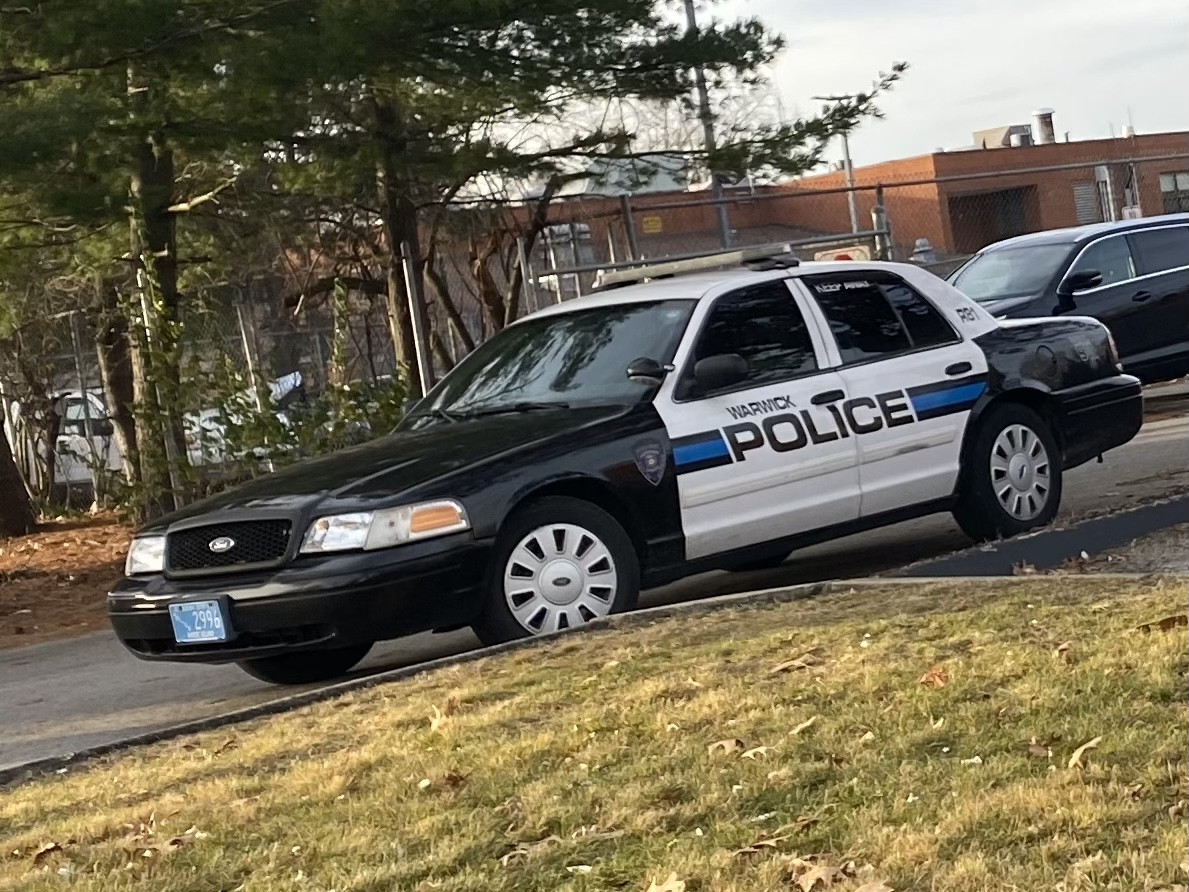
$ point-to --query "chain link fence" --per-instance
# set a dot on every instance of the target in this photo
(936, 221)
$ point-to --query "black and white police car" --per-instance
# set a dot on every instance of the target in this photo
(715, 413)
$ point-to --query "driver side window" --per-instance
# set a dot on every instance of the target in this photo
(763, 324)
(1111, 257)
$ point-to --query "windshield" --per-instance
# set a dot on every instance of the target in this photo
(1010, 272)
(561, 360)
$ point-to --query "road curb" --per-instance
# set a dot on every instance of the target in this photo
(27, 771)
(1049, 548)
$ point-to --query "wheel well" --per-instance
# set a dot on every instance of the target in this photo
(595, 492)
(1037, 400)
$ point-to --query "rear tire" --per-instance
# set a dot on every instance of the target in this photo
(305, 667)
(558, 563)
(1012, 476)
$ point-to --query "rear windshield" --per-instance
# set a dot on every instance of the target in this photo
(1020, 271)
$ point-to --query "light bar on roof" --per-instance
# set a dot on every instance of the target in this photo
(619, 277)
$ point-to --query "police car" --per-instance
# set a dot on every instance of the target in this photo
(714, 413)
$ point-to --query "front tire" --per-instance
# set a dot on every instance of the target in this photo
(1012, 479)
(558, 563)
(305, 667)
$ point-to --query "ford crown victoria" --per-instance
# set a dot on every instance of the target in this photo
(674, 421)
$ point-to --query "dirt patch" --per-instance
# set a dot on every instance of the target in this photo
(54, 582)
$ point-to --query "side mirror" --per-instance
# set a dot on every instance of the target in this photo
(646, 371)
(723, 370)
(1079, 281)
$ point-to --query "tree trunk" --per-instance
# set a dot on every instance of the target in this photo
(398, 217)
(16, 512)
(152, 188)
(113, 351)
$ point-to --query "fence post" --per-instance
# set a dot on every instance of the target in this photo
(528, 290)
(249, 354)
(629, 226)
(577, 257)
(417, 316)
(881, 226)
(552, 249)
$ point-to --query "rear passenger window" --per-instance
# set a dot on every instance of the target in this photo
(1157, 250)
(925, 324)
(876, 316)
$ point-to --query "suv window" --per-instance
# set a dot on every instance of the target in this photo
(1157, 250)
(876, 316)
(1111, 257)
(764, 325)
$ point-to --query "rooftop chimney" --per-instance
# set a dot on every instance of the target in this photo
(1042, 124)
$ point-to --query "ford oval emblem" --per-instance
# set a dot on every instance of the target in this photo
(221, 545)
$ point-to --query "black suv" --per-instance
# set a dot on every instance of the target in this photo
(1131, 275)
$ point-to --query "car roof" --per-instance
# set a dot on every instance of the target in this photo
(1077, 234)
(695, 286)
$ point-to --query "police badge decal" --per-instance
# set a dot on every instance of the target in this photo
(650, 460)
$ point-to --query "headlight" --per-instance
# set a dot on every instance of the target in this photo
(372, 530)
(146, 555)
(343, 532)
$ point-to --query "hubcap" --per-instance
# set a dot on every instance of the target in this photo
(1020, 472)
(559, 576)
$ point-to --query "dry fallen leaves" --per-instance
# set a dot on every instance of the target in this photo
(1040, 752)
(1075, 761)
(756, 751)
(1061, 652)
(727, 746)
(43, 853)
(805, 661)
(875, 887)
(672, 884)
(804, 726)
(440, 715)
(757, 847)
(935, 678)
(1165, 625)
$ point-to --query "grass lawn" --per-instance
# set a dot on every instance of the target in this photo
(1021, 735)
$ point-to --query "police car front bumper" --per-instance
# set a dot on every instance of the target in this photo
(313, 602)
(1099, 416)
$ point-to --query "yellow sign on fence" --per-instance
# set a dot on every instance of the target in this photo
(651, 225)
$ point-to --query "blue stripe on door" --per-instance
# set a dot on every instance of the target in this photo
(964, 393)
(696, 452)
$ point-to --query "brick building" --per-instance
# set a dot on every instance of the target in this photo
(964, 200)
(959, 200)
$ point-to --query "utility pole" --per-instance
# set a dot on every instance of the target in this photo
(849, 169)
(724, 224)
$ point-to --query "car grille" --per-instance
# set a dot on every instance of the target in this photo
(256, 542)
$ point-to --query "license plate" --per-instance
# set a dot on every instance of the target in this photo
(199, 622)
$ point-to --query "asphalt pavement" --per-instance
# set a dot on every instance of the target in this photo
(66, 696)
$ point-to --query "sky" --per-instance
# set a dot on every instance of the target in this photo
(977, 64)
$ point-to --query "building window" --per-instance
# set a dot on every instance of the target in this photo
(1174, 189)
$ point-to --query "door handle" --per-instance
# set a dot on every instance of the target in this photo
(830, 396)
(1141, 296)
(958, 368)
